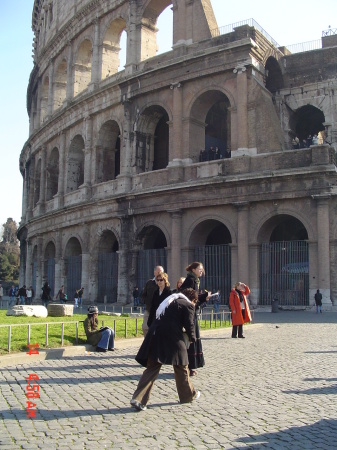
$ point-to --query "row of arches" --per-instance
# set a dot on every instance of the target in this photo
(283, 260)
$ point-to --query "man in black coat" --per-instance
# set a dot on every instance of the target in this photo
(165, 344)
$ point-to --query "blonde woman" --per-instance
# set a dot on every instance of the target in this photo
(162, 292)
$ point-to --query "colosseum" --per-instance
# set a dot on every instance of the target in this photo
(220, 150)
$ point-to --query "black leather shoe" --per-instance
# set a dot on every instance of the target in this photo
(111, 349)
(234, 337)
(100, 349)
(242, 337)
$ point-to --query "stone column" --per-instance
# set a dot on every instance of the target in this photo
(39, 267)
(96, 66)
(133, 44)
(25, 193)
(28, 275)
(176, 142)
(126, 148)
(242, 106)
(123, 262)
(87, 155)
(323, 246)
(59, 197)
(70, 81)
(243, 232)
(254, 273)
(50, 89)
(30, 199)
(42, 199)
(58, 261)
(174, 264)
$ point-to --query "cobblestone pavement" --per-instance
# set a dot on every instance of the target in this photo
(276, 389)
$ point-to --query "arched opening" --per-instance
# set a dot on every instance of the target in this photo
(210, 125)
(210, 244)
(60, 84)
(44, 100)
(108, 267)
(274, 78)
(108, 152)
(114, 47)
(152, 253)
(152, 140)
(284, 262)
(49, 266)
(37, 182)
(75, 174)
(73, 267)
(307, 122)
(82, 67)
(149, 30)
(52, 174)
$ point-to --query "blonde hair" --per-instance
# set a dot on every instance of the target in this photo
(237, 284)
(181, 280)
(164, 276)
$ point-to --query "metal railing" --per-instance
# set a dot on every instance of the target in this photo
(304, 46)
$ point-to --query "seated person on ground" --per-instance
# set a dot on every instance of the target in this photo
(102, 338)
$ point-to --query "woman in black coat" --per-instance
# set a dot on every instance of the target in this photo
(195, 355)
(162, 292)
(164, 343)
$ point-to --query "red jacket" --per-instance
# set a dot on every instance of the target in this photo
(234, 303)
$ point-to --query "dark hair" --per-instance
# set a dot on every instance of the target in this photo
(193, 265)
(191, 294)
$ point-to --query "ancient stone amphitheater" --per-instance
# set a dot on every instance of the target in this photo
(181, 156)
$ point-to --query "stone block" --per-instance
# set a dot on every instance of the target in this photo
(59, 310)
(27, 310)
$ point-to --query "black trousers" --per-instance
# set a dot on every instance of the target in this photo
(239, 328)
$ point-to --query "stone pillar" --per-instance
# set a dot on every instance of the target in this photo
(25, 193)
(70, 81)
(28, 275)
(59, 197)
(42, 200)
(323, 246)
(133, 44)
(50, 89)
(58, 261)
(176, 144)
(243, 233)
(85, 276)
(174, 263)
(254, 273)
(87, 155)
(242, 107)
(39, 267)
(126, 149)
(30, 199)
(123, 262)
(96, 66)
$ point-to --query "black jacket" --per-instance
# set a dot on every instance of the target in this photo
(156, 301)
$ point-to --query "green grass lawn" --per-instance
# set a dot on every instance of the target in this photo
(125, 327)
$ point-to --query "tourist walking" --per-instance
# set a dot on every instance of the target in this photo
(147, 296)
(45, 297)
(163, 291)
(195, 270)
(165, 344)
(240, 309)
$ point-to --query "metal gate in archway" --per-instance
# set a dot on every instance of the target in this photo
(107, 279)
(74, 275)
(216, 260)
(147, 261)
(284, 273)
(51, 275)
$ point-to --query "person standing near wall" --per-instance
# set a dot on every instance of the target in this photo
(240, 309)
(147, 296)
(318, 301)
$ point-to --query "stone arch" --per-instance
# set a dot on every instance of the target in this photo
(52, 174)
(73, 266)
(108, 152)
(82, 66)
(44, 100)
(152, 139)
(60, 84)
(273, 75)
(210, 122)
(307, 120)
(49, 265)
(37, 181)
(210, 243)
(152, 236)
(75, 173)
(111, 47)
(151, 12)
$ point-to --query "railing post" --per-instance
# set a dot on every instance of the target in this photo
(9, 338)
(126, 332)
(62, 334)
(115, 328)
(136, 326)
(28, 339)
(46, 335)
(76, 332)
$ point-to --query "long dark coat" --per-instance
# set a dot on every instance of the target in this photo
(195, 353)
(156, 301)
(164, 342)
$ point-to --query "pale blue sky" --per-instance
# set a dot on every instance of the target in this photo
(291, 23)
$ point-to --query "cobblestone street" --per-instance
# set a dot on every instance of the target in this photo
(276, 389)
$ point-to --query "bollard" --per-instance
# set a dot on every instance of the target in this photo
(274, 305)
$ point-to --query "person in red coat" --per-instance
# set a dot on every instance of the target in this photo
(239, 308)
